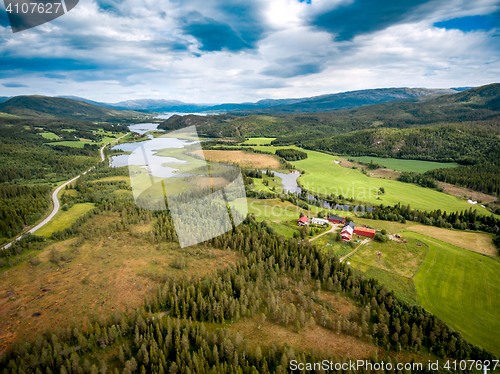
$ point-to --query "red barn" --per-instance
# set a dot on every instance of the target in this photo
(336, 219)
(364, 232)
(302, 221)
(348, 230)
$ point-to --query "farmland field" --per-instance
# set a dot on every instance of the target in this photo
(258, 141)
(397, 257)
(405, 165)
(462, 288)
(473, 241)
(49, 135)
(70, 143)
(64, 219)
(325, 176)
(241, 158)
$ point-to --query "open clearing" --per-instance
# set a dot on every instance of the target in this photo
(397, 257)
(473, 241)
(325, 176)
(241, 158)
(49, 135)
(404, 165)
(64, 219)
(462, 288)
(259, 141)
(103, 275)
(467, 193)
(310, 336)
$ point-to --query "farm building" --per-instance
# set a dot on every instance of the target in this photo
(319, 221)
(336, 219)
(302, 221)
(348, 230)
(364, 232)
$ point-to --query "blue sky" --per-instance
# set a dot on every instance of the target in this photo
(215, 51)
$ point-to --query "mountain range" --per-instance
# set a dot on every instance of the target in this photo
(79, 108)
(322, 103)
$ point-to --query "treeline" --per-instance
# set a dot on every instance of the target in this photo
(423, 180)
(484, 177)
(291, 154)
(280, 279)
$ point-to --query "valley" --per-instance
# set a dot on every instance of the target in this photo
(424, 288)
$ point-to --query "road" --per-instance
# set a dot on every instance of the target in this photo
(55, 200)
(332, 229)
(355, 249)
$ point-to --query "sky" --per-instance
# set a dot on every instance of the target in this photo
(214, 51)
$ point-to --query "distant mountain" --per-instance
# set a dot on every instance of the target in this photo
(77, 98)
(322, 103)
(351, 99)
(464, 129)
(460, 89)
(478, 104)
(55, 107)
(4, 98)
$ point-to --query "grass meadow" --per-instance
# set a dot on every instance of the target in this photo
(325, 176)
(105, 274)
(404, 165)
(49, 135)
(64, 219)
(258, 141)
(462, 287)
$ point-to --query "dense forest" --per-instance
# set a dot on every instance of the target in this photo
(21, 206)
(291, 154)
(452, 143)
(278, 279)
(484, 178)
(29, 167)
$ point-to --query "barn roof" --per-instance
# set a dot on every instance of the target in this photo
(303, 219)
(336, 218)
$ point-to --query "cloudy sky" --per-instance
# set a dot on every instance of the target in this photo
(212, 51)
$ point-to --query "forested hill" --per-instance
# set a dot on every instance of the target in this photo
(52, 107)
(351, 99)
(466, 144)
(478, 105)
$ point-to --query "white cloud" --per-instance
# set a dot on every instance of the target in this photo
(141, 50)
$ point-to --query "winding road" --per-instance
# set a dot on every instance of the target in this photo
(55, 200)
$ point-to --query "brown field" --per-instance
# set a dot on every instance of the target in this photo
(349, 164)
(384, 173)
(112, 273)
(467, 193)
(310, 336)
(476, 242)
(241, 158)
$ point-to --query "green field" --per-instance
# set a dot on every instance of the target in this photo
(73, 144)
(7, 115)
(404, 165)
(49, 135)
(64, 219)
(107, 137)
(401, 258)
(258, 141)
(463, 288)
(323, 175)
